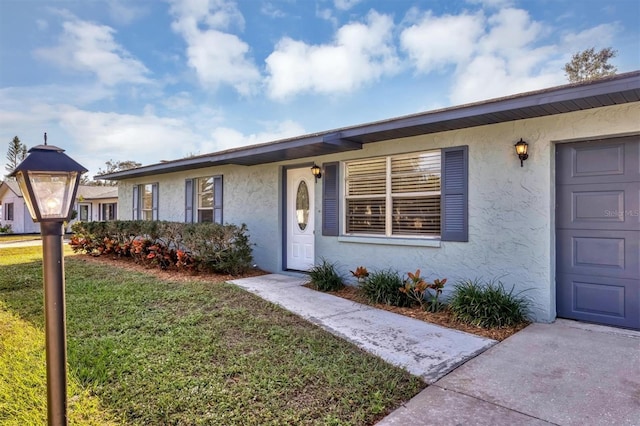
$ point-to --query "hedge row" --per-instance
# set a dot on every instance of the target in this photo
(189, 246)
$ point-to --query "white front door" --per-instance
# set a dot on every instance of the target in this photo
(300, 219)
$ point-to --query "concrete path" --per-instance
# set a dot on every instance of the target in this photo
(36, 241)
(423, 349)
(565, 373)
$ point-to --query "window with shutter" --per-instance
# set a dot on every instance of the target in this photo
(136, 202)
(330, 194)
(402, 195)
(208, 199)
(455, 178)
(188, 200)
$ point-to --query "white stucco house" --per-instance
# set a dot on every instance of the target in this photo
(93, 203)
(14, 211)
(96, 203)
(443, 191)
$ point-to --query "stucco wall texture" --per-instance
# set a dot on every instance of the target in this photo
(511, 209)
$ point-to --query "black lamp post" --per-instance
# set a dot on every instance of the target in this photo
(49, 180)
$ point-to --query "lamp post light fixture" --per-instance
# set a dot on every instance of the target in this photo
(49, 180)
(316, 172)
(521, 150)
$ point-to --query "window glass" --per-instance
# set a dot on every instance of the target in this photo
(205, 199)
(83, 213)
(302, 205)
(8, 211)
(147, 201)
(109, 211)
(394, 196)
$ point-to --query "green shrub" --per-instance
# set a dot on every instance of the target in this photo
(419, 290)
(384, 287)
(6, 229)
(201, 246)
(488, 305)
(324, 277)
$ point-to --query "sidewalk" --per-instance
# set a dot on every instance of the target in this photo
(565, 373)
(423, 349)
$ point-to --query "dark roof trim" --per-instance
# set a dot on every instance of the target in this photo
(618, 89)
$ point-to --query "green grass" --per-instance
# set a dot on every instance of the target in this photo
(162, 352)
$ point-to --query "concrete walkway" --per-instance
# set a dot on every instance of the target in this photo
(423, 349)
(565, 373)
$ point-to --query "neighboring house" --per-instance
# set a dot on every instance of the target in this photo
(93, 203)
(442, 191)
(96, 203)
(15, 211)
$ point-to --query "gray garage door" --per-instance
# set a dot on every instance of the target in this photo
(598, 231)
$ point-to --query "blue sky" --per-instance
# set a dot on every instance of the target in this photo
(152, 80)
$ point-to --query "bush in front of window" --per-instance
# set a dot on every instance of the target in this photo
(193, 247)
(383, 286)
(488, 304)
(6, 229)
(325, 277)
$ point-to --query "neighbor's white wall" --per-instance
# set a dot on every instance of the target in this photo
(511, 221)
(22, 222)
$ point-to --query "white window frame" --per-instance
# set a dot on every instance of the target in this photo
(9, 210)
(388, 197)
(146, 194)
(198, 198)
(88, 208)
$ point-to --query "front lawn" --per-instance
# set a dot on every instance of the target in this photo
(154, 351)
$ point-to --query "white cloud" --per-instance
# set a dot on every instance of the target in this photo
(226, 138)
(124, 12)
(360, 53)
(492, 4)
(501, 54)
(599, 36)
(435, 42)
(217, 57)
(91, 48)
(488, 77)
(220, 58)
(271, 10)
(345, 4)
(510, 30)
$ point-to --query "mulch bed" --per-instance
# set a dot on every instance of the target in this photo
(443, 318)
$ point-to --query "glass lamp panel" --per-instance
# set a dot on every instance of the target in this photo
(25, 194)
(53, 192)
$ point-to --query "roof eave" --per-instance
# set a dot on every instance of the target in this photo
(619, 89)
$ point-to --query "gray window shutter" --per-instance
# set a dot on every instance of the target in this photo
(188, 200)
(136, 202)
(217, 199)
(330, 199)
(454, 194)
(154, 201)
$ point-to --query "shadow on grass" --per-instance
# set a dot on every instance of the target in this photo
(163, 352)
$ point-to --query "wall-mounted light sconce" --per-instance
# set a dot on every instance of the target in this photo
(521, 150)
(315, 171)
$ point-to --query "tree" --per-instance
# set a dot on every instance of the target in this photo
(590, 65)
(117, 166)
(16, 153)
